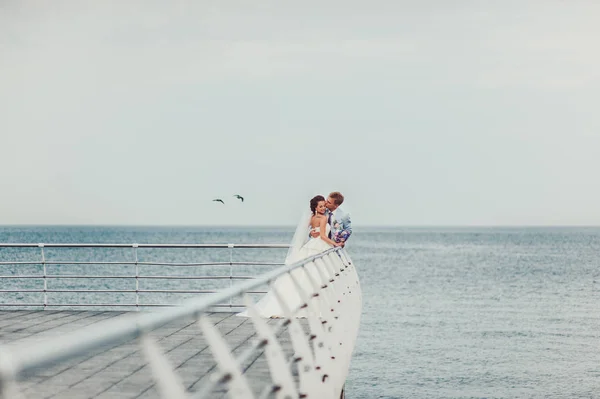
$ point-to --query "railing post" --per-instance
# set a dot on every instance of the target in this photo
(137, 278)
(41, 246)
(230, 246)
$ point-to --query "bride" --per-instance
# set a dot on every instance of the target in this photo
(318, 222)
(268, 306)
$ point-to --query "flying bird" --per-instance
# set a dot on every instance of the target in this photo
(239, 197)
(219, 200)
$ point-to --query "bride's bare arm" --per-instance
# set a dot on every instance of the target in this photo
(323, 230)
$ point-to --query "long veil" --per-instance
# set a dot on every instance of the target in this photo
(300, 238)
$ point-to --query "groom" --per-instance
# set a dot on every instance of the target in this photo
(341, 226)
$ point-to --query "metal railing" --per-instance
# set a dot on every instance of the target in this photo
(47, 279)
(331, 300)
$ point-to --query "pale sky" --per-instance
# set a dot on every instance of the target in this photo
(420, 112)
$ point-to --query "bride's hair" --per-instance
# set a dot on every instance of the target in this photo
(314, 202)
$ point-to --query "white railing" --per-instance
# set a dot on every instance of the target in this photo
(44, 274)
(321, 357)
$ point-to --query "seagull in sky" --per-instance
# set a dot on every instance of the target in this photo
(239, 197)
(219, 200)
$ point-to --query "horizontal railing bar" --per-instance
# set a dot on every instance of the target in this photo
(30, 356)
(240, 263)
(175, 305)
(39, 262)
(123, 291)
(70, 304)
(133, 305)
(22, 277)
(73, 276)
(60, 245)
(21, 304)
(59, 262)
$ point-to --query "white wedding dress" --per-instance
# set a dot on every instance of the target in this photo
(268, 306)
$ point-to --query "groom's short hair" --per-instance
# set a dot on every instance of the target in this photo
(337, 197)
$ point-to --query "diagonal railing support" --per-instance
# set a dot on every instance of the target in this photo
(283, 382)
(229, 367)
(324, 361)
(310, 384)
(169, 384)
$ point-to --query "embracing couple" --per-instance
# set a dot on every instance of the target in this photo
(329, 224)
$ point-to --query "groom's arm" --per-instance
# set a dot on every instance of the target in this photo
(348, 226)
